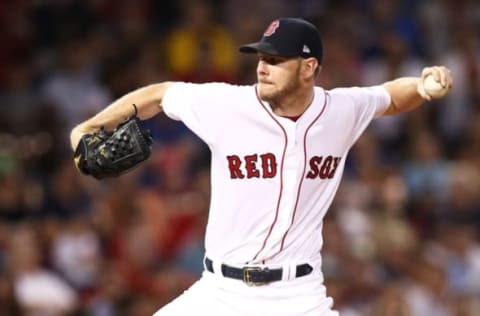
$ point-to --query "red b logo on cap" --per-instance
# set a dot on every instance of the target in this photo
(271, 28)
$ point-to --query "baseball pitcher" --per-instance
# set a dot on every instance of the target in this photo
(278, 152)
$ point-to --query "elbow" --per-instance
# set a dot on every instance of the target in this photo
(392, 109)
(158, 92)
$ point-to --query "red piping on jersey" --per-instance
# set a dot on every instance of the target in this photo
(303, 174)
(281, 175)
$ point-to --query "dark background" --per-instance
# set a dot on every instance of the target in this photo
(401, 238)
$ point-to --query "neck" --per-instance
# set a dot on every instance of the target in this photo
(293, 104)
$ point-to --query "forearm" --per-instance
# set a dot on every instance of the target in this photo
(407, 93)
(148, 101)
(404, 94)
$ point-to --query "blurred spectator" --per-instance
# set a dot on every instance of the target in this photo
(8, 302)
(462, 206)
(393, 17)
(400, 239)
(427, 172)
(465, 305)
(18, 31)
(394, 238)
(456, 251)
(74, 87)
(200, 49)
(426, 293)
(38, 291)
(66, 195)
(341, 65)
(76, 253)
(195, 205)
(391, 302)
(396, 59)
(21, 197)
(55, 20)
(462, 57)
(18, 95)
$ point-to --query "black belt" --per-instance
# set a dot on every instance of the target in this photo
(257, 275)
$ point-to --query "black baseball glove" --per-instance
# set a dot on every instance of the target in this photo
(109, 154)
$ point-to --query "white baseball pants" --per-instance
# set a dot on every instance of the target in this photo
(215, 295)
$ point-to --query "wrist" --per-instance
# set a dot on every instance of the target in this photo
(76, 134)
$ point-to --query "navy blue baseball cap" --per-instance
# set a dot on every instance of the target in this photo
(289, 37)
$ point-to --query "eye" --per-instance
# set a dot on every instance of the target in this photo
(272, 60)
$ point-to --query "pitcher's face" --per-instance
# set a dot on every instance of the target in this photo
(277, 76)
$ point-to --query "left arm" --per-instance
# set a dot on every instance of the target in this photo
(408, 93)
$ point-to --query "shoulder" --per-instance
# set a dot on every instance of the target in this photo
(370, 99)
(358, 92)
(210, 86)
(212, 92)
(214, 89)
(357, 89)
(346, 91)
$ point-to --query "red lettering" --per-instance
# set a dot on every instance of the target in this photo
(234, 163)
(269, 165)
(325, 169)
(315, 161)
(252, 171)
(328, 167)
(336, 161)
(251, 168)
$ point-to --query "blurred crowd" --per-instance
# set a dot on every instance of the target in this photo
(401, 239)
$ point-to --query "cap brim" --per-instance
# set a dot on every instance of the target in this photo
(259, 47)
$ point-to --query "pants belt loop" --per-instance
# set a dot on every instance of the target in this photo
(204, 262)
(217, 267)
(288, 271)
(285, 272)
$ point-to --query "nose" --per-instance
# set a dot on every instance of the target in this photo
(262, 68)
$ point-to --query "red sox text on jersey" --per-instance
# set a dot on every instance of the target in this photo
(265, 166)
(272, 179)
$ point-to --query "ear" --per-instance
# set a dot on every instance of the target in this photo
(310, 66)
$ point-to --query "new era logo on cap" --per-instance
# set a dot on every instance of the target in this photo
(289, 37)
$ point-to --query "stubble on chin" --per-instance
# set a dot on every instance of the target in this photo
(273, 95)
(266, 93)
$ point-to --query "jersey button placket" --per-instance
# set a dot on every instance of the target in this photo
(289, 188)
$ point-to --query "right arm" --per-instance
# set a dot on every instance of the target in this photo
(147, 99)
(408, 93)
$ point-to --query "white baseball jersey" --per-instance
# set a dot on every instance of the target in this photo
(273, 179)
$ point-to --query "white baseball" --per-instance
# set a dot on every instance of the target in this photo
(433, 88)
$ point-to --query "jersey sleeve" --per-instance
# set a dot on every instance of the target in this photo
(374, 99)
(198, 106)
(366, 103)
